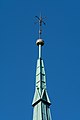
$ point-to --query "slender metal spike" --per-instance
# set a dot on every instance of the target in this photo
(40, 21)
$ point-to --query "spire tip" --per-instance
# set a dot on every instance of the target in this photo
(40, 21)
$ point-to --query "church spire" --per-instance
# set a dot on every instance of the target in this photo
(41, 102)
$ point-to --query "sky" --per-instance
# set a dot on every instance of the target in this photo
(19, 54)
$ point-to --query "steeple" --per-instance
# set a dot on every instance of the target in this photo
(41, 102)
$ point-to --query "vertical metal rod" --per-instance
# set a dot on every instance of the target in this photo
(40, 51)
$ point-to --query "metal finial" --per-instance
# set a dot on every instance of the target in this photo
(40, 21)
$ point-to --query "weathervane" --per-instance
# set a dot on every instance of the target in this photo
(40, 21)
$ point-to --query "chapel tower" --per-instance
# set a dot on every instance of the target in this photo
(41, 103)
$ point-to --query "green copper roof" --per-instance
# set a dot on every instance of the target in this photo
(40, 90)
(41, 102)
